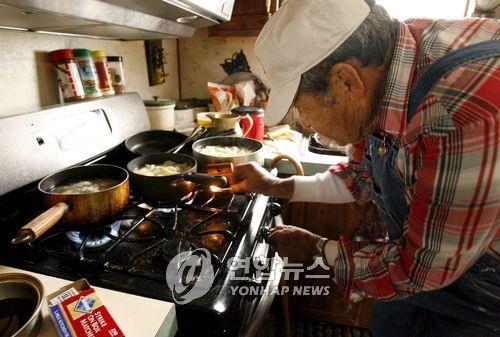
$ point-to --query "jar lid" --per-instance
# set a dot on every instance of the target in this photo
(98, 53)
(61, 54)
(243, 110)
(156, 101)
(114, 58)
(82, 52)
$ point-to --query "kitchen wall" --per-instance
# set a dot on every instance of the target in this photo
(201, 56)
(28, 81)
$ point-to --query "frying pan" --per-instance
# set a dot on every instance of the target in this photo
(78, 211)
(154, 141)
(171, 188)
(158, 141)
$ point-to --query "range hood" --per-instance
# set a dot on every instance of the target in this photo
(114, 19)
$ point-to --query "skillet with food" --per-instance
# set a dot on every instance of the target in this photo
(168, 177)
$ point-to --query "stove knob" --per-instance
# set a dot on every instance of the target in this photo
(264, 233)
(275, 209)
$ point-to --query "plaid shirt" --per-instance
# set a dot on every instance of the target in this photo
(448, 163)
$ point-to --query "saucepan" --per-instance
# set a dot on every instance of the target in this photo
(81, 197)
(21, 300)
(173, 187)
(205, 151)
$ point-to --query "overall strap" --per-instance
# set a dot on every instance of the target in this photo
(444, 65)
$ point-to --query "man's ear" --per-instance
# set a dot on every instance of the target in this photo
(345, 76)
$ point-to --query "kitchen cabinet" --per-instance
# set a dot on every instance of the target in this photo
(248, 18)
(332, 221)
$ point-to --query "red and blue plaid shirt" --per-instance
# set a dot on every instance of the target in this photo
(448, 162)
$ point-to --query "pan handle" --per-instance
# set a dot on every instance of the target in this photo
(42, 223)
(205, 179)
(298, 166)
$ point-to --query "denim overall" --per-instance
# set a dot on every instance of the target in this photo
(470, 306)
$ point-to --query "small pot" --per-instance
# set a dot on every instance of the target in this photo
(81, 210)
(203, 160)
(21, 297)
(224, 121)
(158, 189)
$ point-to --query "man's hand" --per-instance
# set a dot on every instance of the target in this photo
(254, 178)
(297, 244)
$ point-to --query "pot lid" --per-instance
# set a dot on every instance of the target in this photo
(243, 110)
(156, 101)
(183, 106)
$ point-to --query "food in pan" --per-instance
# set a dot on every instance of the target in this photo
(225, 150)
(168, 168)
(85, 186)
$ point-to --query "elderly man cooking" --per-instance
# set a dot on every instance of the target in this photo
(420, 99)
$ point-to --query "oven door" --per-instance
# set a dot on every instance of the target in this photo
(257, 309)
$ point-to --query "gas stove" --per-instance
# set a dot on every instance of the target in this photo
(132, 253)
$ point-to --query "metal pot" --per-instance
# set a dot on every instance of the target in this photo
(159, 188)
(203, 160)
(21, 300)
(224, 121)
(82, 210)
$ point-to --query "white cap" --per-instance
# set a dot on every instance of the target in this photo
(301, 34)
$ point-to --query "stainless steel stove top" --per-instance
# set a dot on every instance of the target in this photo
(130, 254)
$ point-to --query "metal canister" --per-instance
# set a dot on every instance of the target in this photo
(254, 128)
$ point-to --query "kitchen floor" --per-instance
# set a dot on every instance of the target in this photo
(304, 327)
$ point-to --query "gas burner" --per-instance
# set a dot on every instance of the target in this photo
(210, 199)
(96, 238)
(170, 249)
(155, 224)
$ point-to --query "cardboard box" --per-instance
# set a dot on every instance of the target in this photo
(77, 311)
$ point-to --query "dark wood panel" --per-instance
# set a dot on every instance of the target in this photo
(248, 18)
(331, 221)
(240, 25)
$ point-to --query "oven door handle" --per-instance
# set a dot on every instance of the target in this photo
(260, 311)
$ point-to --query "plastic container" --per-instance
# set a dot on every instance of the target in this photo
(199, 105)
(184, 115)
(101, 64)
(161, 113)
(203, 120)
(88, 72)
(68, 76)
(117, 74)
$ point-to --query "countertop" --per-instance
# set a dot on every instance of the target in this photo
(137, 316)
(296, 146)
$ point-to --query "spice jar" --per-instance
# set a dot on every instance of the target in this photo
(116, 72)
(102, 67)
(88, 72)
(68, 77)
